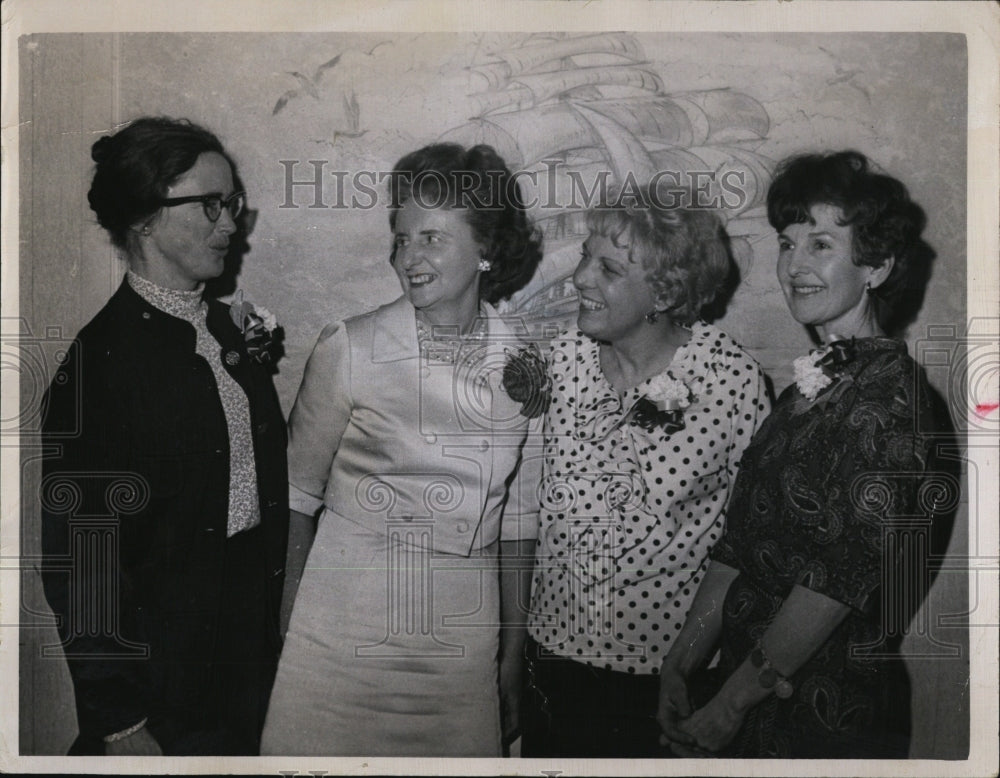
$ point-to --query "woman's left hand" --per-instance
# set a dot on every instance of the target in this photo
(713, 727)
(511, 671)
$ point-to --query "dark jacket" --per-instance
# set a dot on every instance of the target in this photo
(134, 503)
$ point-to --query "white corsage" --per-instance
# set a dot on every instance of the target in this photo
(268, 319)
(668, 394)
(662, 407)
(810, 377)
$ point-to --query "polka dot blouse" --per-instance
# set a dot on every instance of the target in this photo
(629, 515)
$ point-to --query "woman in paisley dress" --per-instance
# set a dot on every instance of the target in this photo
(651, 409)
(802, 597)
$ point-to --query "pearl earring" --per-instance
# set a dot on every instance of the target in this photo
(652, 316)
(485, 265)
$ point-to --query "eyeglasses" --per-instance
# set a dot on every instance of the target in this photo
(213, 204)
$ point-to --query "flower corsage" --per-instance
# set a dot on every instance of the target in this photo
(526, 380)
(663, 405)
(258, 326)
(815, 371)
(810, 377)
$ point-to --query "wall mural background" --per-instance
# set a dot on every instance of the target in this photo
(291, 106)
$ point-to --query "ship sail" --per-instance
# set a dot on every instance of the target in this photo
(581, 114)
(528, 136)
(737, 180)
(724, 110)
(527, 91)
(625, 153)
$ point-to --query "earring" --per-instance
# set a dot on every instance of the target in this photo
(652, 316)
(485, 266)
(868, 288)
(145, 231)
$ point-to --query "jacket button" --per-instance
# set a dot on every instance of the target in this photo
(262, 428)
(484, 445)
(232, 358)
(462, 527)
(406, 518)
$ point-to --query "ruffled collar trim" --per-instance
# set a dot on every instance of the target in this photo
(602, 409)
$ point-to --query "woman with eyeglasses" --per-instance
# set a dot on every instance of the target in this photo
(169, 621)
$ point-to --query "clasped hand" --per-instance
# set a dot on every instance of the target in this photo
(693, 734)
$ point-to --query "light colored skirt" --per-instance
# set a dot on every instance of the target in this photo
(391, 650)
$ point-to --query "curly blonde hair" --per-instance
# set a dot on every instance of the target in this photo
(685, 250)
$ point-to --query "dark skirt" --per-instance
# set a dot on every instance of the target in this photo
(570, 709)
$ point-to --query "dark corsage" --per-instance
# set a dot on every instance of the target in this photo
(526, 380)
(258, 326)
(816, 370)
(663, 405)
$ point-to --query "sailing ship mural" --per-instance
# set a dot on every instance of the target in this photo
(582, 114)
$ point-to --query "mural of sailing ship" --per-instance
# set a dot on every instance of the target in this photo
(571, 110)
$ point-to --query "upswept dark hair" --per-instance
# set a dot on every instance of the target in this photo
(136, 165)
(478, 181)
(885, 222)
(686, 251)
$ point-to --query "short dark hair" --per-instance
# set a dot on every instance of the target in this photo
(884, 222)
(136, 165)
(477, 180)
(686, 251)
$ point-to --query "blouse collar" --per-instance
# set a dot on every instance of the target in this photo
(872, 345)
(850, 356)
(182, 303)
(603, 408)
(395, 335)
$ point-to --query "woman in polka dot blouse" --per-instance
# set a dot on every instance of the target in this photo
(651, 409)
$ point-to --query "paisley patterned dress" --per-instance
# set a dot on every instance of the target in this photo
(832, 496)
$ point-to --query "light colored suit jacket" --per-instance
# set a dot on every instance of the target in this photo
(382, 436)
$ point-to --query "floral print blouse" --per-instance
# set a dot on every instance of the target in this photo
(631, 510)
